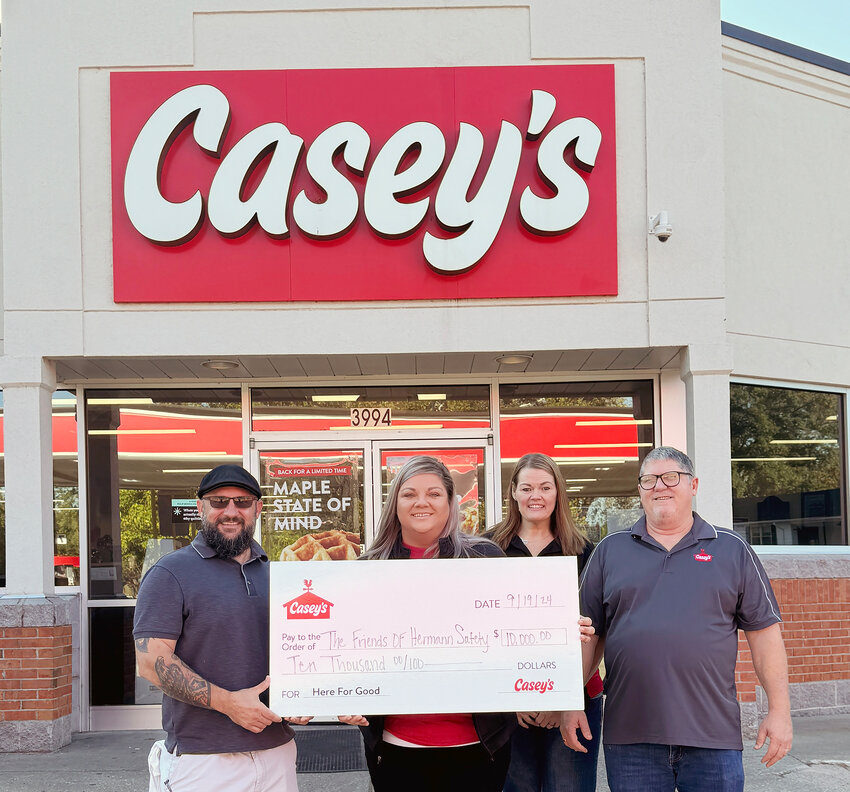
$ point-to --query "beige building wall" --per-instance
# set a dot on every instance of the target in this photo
(787, 154)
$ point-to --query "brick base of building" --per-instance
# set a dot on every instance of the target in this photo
(814, 597)
(35, 673)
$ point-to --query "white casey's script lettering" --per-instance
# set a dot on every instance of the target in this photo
(473, 221)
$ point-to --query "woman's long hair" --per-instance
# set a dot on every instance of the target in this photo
(389, 527)
(572, 538)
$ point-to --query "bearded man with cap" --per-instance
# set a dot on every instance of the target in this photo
(201, 629)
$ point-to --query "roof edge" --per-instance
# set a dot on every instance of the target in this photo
(784, 48)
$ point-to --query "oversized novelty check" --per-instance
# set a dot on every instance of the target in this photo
(425, 636)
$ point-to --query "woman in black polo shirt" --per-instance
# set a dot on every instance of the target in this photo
(539, 524)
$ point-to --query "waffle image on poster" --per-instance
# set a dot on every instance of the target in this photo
(323, 546)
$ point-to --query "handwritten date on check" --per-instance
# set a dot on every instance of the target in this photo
(425, 636)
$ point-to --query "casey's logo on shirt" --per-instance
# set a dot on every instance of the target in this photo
(308, 605)
(702, 556)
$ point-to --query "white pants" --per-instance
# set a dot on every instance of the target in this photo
(272, 770)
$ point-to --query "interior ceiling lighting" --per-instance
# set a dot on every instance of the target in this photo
(147, 400)
(774, 459)
(187, 470)
(431, 396)
(336, 397)
(618, 422)
(140, 431)
(220, 365)
(803, 442)
(605, 445)
(514, 360)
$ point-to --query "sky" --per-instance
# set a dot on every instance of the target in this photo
(819, 25)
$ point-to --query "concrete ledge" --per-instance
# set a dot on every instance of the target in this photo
(35, 611)
(805, 565)
(807, 699)
(35, 736)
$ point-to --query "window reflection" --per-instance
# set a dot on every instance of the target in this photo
(787, 476)
(411, 407)
(597, 433)
(147, 451)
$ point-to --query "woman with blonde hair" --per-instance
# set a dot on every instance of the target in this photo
(539, 523)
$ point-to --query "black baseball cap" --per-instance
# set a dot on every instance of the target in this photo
(229, 476)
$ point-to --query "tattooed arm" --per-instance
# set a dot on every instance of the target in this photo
(159, 665)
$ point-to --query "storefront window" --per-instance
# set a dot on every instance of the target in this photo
(146, 452)
(66, 492)
(597, 433)
(787, 465)
(372, 408)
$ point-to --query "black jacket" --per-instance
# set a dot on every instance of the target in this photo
(517, 549)
(494, 729)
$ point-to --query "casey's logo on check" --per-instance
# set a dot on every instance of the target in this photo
(308, 605)
(538, 685)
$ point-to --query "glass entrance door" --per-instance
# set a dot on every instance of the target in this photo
(322, 501)
(470, 465)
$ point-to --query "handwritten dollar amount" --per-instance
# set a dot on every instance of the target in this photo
(554, 636)
(405, 662)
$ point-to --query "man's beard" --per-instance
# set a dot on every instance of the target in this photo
(227, 547)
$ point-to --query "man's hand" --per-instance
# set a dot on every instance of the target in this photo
(777, 731)
(771, 665)
(526, 719)
(573, 721)
(245, 709)
(548, 719)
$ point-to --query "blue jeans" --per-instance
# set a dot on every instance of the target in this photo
(540, 762)
(648, 767)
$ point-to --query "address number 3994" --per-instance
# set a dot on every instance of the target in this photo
(363, 417)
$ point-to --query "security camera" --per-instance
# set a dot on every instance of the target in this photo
(659, 226)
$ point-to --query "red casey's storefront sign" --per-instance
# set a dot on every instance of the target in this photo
(363, 184)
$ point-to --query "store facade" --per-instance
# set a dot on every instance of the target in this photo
(314, 241)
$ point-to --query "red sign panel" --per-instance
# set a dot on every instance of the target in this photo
(364, 184)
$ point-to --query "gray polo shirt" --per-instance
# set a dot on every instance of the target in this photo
(670, 621)
(218, 612)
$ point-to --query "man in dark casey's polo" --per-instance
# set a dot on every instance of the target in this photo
(202, 635)
(667, 599)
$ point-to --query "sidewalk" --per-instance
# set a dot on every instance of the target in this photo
(117, 762)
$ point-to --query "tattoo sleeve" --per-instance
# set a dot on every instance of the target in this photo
(182, 683)
(142, 645)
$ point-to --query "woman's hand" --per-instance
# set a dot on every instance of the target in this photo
(586, 628)
(299, 721)
(353, 720)
(548, 720)
(526, 719)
